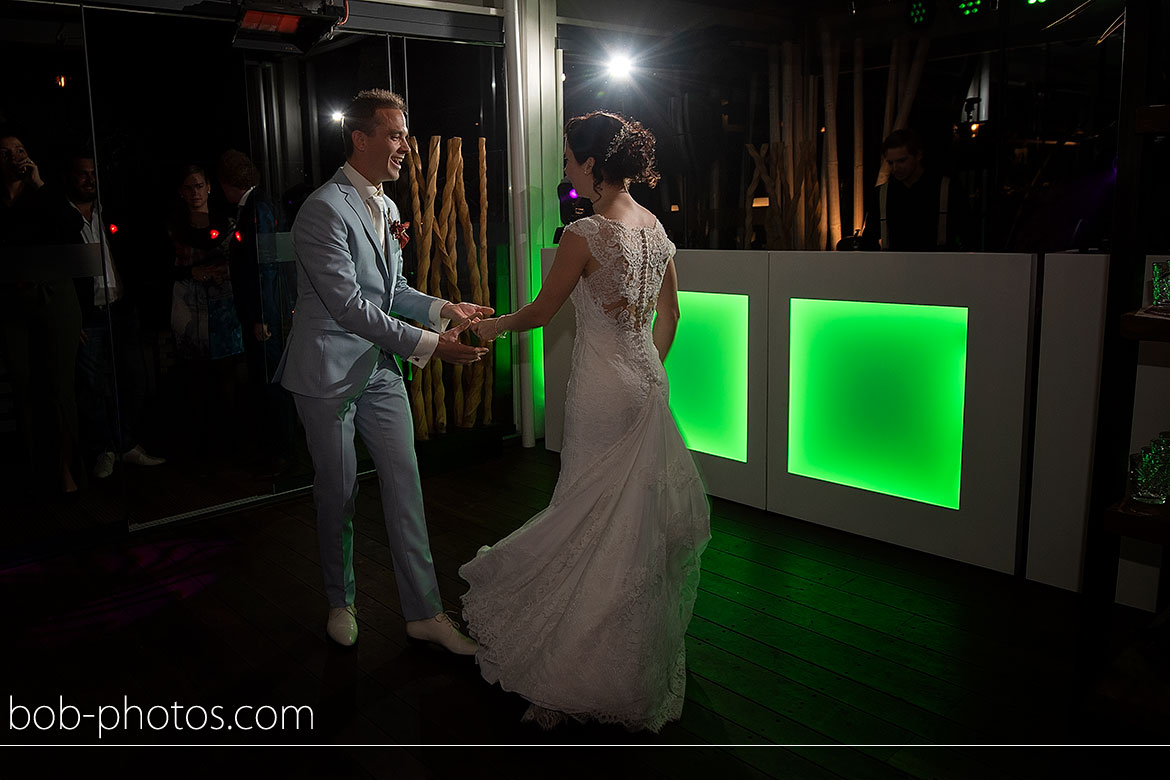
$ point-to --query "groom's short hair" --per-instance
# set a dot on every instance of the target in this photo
(361, 113)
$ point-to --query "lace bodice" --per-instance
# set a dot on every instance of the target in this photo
(632, 262)
(615, 365)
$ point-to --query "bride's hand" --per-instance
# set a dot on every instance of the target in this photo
(487, 330)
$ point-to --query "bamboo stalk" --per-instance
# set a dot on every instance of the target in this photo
(858, 136)
(485, 288)
(788, 63)
(418, 407)
(443, 250)
(892, 88)
(798, 136)
(472, 376)
(829, 55)
(912, 82)
(823, 225)
(426, 263)
(467, 401)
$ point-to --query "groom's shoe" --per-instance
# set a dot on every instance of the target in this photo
(442, 631)
(342, 625)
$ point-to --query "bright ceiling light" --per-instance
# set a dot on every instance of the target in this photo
(620, 67)
(338, 116)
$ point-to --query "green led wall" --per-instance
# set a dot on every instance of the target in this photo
(708, 370)
(875, 397)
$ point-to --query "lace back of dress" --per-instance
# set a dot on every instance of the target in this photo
(632, 263)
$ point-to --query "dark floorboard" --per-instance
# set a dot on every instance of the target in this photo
(812, 653)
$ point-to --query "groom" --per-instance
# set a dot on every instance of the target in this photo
(342, 366)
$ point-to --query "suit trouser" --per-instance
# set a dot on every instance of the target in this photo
(381, 414)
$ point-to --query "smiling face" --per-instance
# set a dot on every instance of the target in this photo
(194, 191)
(380, 155)
(82, 181)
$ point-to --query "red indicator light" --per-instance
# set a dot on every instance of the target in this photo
(239, 237)
(214, 234)
(113, 228)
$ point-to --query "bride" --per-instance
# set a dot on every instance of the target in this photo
(583, 610)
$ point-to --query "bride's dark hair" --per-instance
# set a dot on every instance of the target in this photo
(621, 148)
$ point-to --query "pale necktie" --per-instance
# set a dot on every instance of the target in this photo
(378, 214)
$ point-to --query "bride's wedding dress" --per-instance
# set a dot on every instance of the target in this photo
(583, 610)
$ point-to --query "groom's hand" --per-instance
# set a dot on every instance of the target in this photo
(459, 313)
(452, 350)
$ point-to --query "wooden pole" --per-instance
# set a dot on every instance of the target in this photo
(426, 264)
(418, 407)
(858, 136)
(902, 120)
(469, 401)
(798, 141)
(892, 88)
(906, 101)
(829, 54)
(485, 288)
(786, 118)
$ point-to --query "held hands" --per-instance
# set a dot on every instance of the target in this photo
(450, 349)
(489, 329)
(461, 313)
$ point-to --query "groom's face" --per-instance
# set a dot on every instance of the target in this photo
(386, 149)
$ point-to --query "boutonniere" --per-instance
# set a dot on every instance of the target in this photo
(399, 231)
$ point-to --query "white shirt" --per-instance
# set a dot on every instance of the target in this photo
(92, 232)
(429, 339)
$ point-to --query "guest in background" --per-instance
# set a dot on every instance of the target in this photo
(110, 340)
(918, 209)
(203, 311)
(40, 321)
(262, 292)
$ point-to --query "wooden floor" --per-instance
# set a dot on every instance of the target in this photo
(803, 637)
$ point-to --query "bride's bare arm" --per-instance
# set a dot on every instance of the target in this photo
(572, 255)
(666, 323)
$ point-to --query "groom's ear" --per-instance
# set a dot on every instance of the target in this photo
(359, 140)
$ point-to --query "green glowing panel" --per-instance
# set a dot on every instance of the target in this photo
(708, 370)
(875, 397)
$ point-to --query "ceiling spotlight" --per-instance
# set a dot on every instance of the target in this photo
(338, 116)
(620, 67)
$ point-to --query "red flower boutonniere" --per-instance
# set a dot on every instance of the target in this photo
(399, 231)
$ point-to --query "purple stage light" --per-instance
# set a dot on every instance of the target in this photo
(573, 194)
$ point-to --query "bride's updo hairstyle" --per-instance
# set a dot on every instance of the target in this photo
(621, 148)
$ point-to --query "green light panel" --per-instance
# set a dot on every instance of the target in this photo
(875, 397)
(708, 371)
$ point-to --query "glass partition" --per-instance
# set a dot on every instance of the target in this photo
(149, 285)
(57, 415)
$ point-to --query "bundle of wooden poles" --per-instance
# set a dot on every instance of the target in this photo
(437, 252)
(804, 210)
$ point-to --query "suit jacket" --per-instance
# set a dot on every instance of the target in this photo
(256, 222)
(347, 286)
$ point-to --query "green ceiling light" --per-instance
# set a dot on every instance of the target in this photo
(876, 397)
(708, 371)
(919, 13)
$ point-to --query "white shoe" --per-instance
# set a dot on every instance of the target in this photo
(104, 465)
(342, 625)
(442, 631)
(138, 457)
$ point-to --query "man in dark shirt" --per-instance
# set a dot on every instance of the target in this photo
(110, 338)
(916, 209)
(261, 287)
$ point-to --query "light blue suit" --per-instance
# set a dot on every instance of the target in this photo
(340, 363)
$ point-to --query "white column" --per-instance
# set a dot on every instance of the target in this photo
(534, 111)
